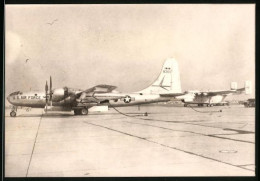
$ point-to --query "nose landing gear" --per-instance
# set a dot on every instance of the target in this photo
(13, 111)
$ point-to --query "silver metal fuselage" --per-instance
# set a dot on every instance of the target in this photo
(38, 99)
(191, 98)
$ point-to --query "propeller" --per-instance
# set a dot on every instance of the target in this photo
(50, 91)
(46, 95)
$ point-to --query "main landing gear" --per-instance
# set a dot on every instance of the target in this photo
(13, 111)
(83, 111)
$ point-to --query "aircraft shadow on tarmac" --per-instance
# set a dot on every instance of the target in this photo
(62, 115)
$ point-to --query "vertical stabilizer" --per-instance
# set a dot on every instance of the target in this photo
(168, 80)
(233, 85)
(248, 87)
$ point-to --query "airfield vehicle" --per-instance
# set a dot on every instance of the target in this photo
(249, 103)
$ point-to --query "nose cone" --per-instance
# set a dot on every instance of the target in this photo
(9, 99)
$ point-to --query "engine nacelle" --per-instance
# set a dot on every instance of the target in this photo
(58, 94)
(63, 94)
(57, 108)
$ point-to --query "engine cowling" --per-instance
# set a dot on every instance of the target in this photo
(63, 94)
(58, 95)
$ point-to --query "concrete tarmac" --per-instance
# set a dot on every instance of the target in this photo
(170, 141)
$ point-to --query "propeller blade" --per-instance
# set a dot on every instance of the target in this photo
(50, 84)
(46, 96)
(46, 87)
(51, 90)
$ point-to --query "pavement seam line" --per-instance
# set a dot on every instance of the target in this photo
(34, 146)
(201, 134)
(205, 126)
(168, 146)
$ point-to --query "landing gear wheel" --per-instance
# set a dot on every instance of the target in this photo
(12, 113)
(185, 105)
(84, 111)
(76, 111)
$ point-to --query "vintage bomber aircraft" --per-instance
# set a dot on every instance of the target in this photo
(211, 98)
(165, 88)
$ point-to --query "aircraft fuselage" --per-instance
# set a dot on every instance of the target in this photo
(38, 99)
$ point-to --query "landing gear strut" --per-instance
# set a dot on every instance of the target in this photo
(83, 111)
(13, 111)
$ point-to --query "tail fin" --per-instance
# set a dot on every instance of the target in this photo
(233, 85)
(168, 80)
(248, 87)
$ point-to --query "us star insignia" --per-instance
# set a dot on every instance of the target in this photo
(127, 99)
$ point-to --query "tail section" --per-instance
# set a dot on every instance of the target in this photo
(168, 80)
(248, 87)
(233, 85)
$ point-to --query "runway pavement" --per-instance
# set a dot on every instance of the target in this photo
(170, 141)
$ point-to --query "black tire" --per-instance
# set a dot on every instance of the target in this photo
(84, 111)
(13, 114)
(76, 111)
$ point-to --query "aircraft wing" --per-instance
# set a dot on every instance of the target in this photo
(172, 94)
(214, 93)
(101, 89)
(224, 92)
(88, 96)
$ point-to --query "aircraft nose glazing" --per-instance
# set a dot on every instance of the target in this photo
(9, 98)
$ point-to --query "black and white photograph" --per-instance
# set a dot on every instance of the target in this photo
(129, 90)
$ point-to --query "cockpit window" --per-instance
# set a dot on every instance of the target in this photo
(16, 93)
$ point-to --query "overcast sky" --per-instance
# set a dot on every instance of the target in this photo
(126, 45)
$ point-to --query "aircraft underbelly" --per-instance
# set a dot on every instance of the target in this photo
(40, 103)
(30, 103)
(202, 99)
(217, 99)
(209, 99)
